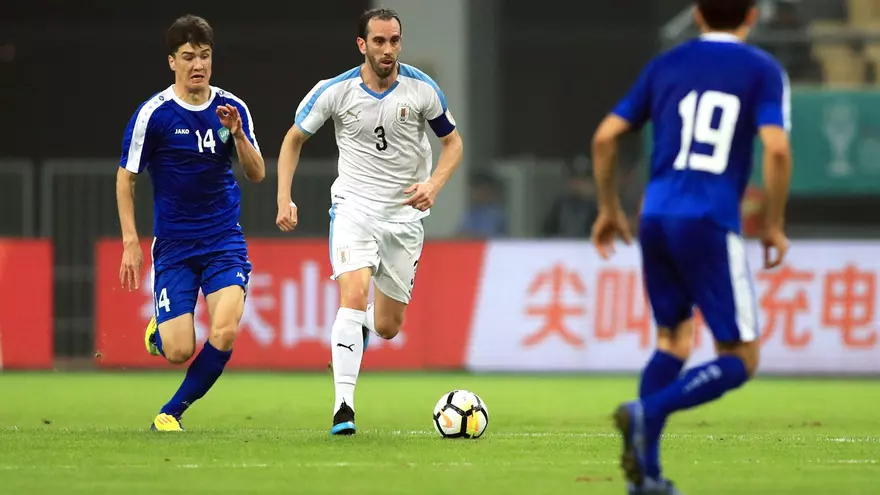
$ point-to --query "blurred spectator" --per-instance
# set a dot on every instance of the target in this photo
(486, 217)
(796, 58)
(572, 214)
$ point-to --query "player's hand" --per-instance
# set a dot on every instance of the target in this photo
(229, 117)
(423, 195)
(286, 219)
(130, 269)
(775, 243)
(610, 224)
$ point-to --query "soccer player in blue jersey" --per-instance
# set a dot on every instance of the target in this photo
(708, 99)
(185, 136)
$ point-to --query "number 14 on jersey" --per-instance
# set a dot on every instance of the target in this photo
(697, 112)
(207, 141)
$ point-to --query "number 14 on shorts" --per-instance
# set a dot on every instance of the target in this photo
(162, 301)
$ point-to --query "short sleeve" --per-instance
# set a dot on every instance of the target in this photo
(140, 137)
(774, 99)
(247, 120)
(315, 108)
(635, 107)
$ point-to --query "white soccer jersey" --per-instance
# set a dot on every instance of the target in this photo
(382, 140)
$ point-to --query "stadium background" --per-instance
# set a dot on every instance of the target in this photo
(508, 281)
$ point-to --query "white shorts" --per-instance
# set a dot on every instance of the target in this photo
(390, 249)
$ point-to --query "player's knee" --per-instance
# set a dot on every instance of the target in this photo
(678, 341)
(223, 336)
(178, 353)
(388, 326)
(747, 352)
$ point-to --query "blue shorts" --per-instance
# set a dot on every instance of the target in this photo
(691, 262)
(182, 267)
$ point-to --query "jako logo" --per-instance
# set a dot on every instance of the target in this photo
(181, 131)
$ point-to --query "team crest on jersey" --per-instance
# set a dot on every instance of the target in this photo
(224, 134)
(403, 111)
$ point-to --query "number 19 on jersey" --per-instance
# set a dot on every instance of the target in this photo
(697, 112)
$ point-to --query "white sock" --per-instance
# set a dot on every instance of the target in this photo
(370, 322)
(347, 341)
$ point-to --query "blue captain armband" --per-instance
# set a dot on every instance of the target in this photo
(443, 125)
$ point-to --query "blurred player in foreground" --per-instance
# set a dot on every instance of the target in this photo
(185, 136)
(708, 98)
(380, 112)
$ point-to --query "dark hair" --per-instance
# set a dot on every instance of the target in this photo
(189, 29)
(380, 13)
(725, 14)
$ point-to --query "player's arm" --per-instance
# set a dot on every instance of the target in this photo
(421, 196)
(311, 114)
(288, 160)
(246, 146)
(777, 173)
(774, 124)
(451, 152)
(632, 112)
(605, 146)
(125, 185)
(137, 144)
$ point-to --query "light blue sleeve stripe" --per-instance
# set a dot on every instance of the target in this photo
(413, 73)
(351, 74)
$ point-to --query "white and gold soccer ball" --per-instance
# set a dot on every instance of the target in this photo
(461, 414)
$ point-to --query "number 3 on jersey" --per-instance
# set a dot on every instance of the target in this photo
(207, 142)
(697, 113)
(382, 145)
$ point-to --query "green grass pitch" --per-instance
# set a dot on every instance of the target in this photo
(87, 433)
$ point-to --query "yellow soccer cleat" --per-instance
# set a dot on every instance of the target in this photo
(150, 337)
(166, 422)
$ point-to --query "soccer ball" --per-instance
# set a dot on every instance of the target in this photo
(460, 414)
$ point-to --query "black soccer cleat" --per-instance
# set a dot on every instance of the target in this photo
(628, 418)
(343, 421)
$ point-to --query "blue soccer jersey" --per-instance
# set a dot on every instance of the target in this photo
(188, 154)
(707, 99)
(199, 244)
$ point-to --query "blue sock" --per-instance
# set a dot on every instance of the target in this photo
(158, 340)
(661, 370)
(205, 369)
(698, 386)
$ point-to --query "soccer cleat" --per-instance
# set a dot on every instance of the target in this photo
(366, 333)
(343, 421)
(166, 422)
(629, 420)
(150, 337)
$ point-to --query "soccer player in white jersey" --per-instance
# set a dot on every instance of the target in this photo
(384, 189)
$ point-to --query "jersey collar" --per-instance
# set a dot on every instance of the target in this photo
(720, 37)
(190, 107)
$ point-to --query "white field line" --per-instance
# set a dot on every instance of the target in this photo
(376, 464)
(496, 434)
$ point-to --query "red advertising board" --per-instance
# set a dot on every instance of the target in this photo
(26, 304)
(291, 306)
